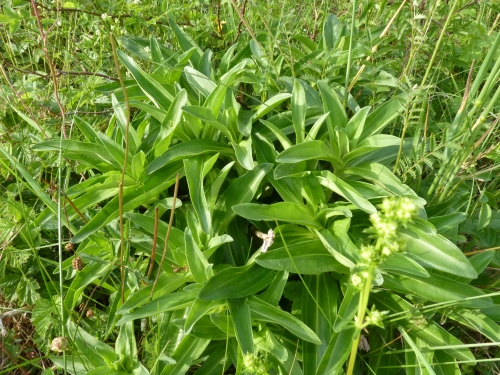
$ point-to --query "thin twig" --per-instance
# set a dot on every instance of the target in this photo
(13, 359)
(242, 18)
(23, 103)
(241, 21)
(51, 65)
(60, 73)
(170, 223)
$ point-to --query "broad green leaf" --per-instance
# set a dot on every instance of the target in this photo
(224, 323)
(380, 118)
(298, 111)
(186, 42)
(241, 190)
(337, 352)
(206, 115)
(199, 81)
(193, 168)
(316, 127)
(381, 176)
(328, 240)
(243, 152)
(242, 320)
(169, 302)
(484, 216)
(273, 294)
(197, 311)
(373, 143)
(478, 322)
(266, 341)
(434, 250)
(313, 150)
(167, 283)
(125, 346)
(269, 105)
(32, 123)
(236, 282)
(355, 126)
(307, 257)
(426, 330)
(188, 350)
(282, 138)
(205, 65)
(133, 138)
(169, 123)
(217, 183)
(318, 311)
(402, 265)
(187, 149)
(264, 311)
(332, 182)
(348, 308)
(93, 150)
(132, 197)
(154, 91)
(176, 239)
(196, 260)
(332, 31)
(440, 289)
(414, 347)
(83, 278)
(283, 211)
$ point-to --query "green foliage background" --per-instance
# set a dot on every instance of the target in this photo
(245, 103)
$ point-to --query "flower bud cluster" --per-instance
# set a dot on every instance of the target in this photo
(253, 364)
(396, 212)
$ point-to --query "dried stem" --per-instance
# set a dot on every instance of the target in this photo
(51, 65)
(170, 223)
(23, 103)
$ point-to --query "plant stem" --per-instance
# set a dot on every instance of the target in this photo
(349, 55)
(170, 223)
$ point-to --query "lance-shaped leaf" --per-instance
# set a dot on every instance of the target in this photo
(266, 312)
(188, 149)
(313, 150)
(241, 190)
(332, 182)
(284, 211)
(298, 111)
(193, 168)
(237, 282)
(195, 258)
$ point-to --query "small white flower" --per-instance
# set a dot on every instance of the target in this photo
(268, 239)
(105, 16)
(356, 280)
(147, 49)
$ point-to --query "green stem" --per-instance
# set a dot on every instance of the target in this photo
(363, 304)
(348, 72)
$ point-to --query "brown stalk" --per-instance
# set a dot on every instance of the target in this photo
(155, 238)
(60, 73)
(242, 19)
(13, 359)
(374, 49)
(51, 65)
(170, 223)
(22, 102)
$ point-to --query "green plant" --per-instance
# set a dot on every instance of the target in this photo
(300, 138)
